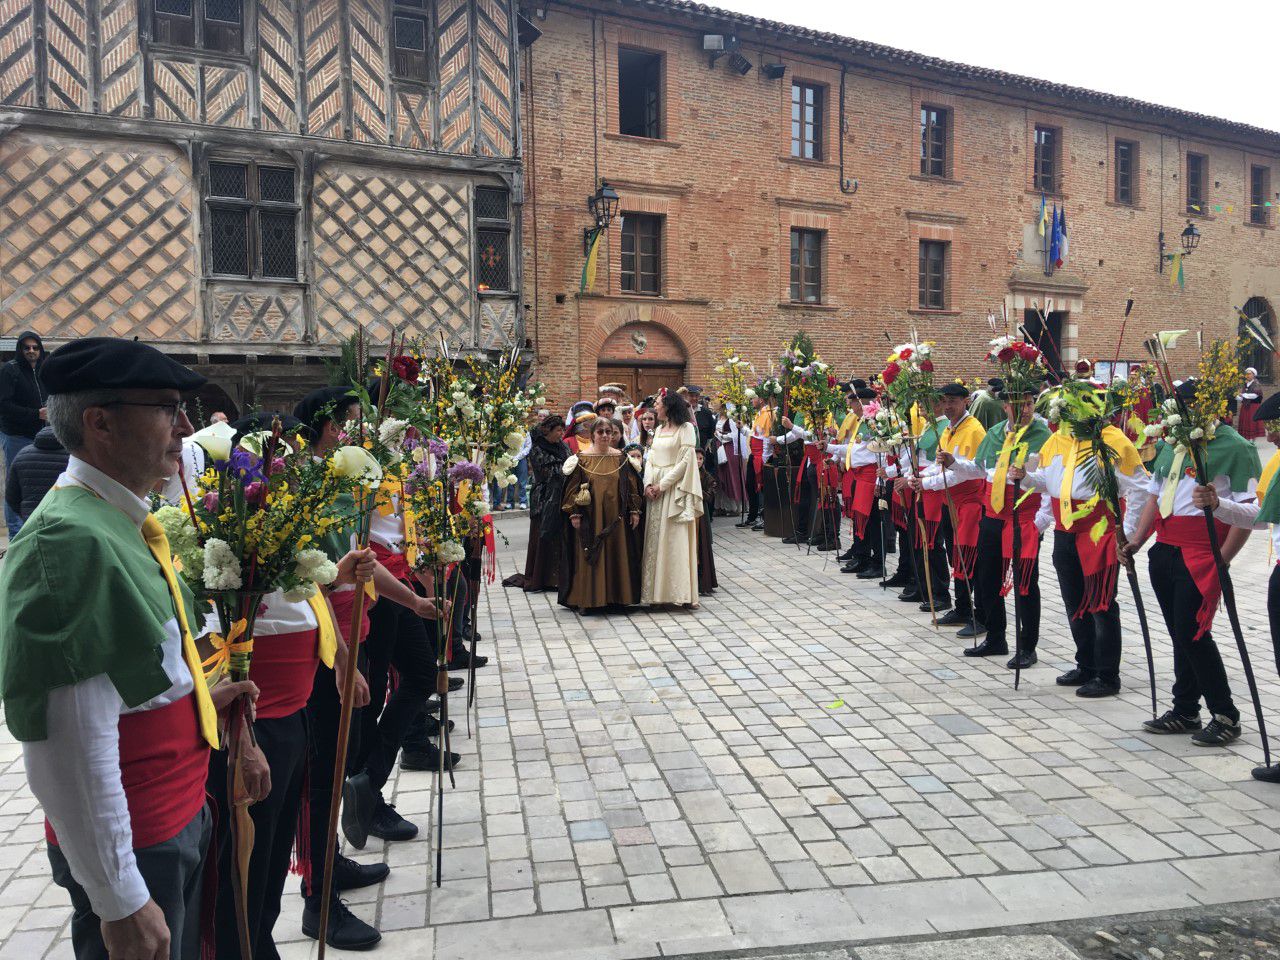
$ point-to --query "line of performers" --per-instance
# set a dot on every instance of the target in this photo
(967, 524)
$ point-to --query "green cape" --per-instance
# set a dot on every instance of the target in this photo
(1227, 454)
(989, 450)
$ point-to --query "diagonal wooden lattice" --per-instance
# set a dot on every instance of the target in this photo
(97, 241)
(174, 90)
(496, 134)
(391, 252)
(226, 92)
(277, 65)
(66, 25)
(368, 70)
(245, 317)
(118, 59)
(413, 120)
(499, 328)
(322, 43)
(455, 76)
(17, 53)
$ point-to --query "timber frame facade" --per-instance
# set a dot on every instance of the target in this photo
(243, 182)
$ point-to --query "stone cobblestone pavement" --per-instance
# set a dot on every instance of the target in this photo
(675, 782)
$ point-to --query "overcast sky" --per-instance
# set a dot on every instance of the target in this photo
(1212, 62)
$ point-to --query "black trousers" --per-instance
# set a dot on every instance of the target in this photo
(173, 872)
(323, 714)
(870, 546)
(755, 484)
(964, 596)
(988, 579)
(1273, 610)
(1197, 664)
(928, 561)
(815, 520)
(1096, 635)
(283, 742)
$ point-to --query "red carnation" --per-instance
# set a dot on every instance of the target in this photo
(890, 373)
(406, 368)
(831, 381)
(1006, 355)
(905, 353)
(1029, 353)
(926, 366)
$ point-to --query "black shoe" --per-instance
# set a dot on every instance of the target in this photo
(462, 660)
(847, 555)
(851, 567)
(793, 538)
(1074, 677)
(823, 547)
(349, 875)
(427, 758)
(750, 521)
(455, 684)
(871, 572)
(1097, 687)
(359, 804)
(938, 606)
(1217, 733)
(423, 732)
(987, 649)
(1269, 774)
(1023, 660)
(346, 930)
(954, 618)
(758, 527)
(899, 579)
(389, 825)
(968, 632)
(910, 595)
(1172, 723)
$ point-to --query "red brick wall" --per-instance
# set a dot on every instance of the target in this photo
(729, 191)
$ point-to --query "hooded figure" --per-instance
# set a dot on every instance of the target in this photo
(22, 398)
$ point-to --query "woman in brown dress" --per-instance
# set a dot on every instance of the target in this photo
(602, 499)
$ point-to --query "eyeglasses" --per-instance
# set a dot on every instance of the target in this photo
(177, 408)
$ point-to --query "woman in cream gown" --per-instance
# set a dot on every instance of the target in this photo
(669, 573)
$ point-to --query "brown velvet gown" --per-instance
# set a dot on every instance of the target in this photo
(602, 559)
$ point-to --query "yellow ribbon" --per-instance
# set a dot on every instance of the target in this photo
(852, 436)
(1068, 481)
(1169, 491)
(214, 667)
(1013, 449)
(327, 643)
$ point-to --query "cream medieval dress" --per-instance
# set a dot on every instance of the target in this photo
(669, 573)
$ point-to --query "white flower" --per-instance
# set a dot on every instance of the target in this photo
(391, 431)
(304, 591)
(1153, 430)
(1172, 420)
(514, 439)
(419, 454)
(750, 393)
(1171, 405)
(925, 349)
(256, 442)
(357, 463)
(507, 480)
(314, 565)
(216, 440)
(221, 566)
(999, 343)
(451, 551)
(1197, 434)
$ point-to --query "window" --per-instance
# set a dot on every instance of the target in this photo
(493, 238)
(203, 24)
(1259, 194)
(253, 220)
(933, 275)
(641, 254)
(806, 121)
(1126, 171)
(409, 46)
(933, 141)
(806, 266)
(1046, 160)
(640, 93)
(1197, 175)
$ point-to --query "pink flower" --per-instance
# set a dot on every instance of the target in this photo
(211, 501)
(255, 491)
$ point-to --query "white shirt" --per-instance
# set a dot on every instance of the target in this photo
(860, 457)
(1235, 508)
(1134, 488)
(729, 434)
(75, 772)
(388, 530)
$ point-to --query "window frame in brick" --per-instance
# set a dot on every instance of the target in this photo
(1259, 194)
(1050, 183)
(1200, 199)
(197, 28)
(807, 119)
(257, 214)
(806, 276)
(935, 138)
(651, 120)
(1124, 154)
(928, 274)
(408, 64)
(633, 272)
(490, 227)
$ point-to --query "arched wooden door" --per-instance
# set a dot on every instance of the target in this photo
(643, 357)
(1253, 354)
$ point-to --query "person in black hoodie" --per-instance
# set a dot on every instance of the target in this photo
(22, 412)
(33, 473)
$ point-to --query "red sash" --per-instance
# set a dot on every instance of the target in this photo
(967, 496)
(163, 766)
(1098, 561)
(860, 505)
(814, 455)
(343, 601)
(757, 454)
(1030, 537)
(933, 501)
(1191, 536)
(284, 668)
(395, 562)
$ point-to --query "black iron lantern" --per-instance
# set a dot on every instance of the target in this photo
(603, 205)
(1190, 237)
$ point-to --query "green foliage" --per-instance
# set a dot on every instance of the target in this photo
(345, 370)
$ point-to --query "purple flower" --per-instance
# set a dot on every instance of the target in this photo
(245, 466)
(438, 449)
(419, 478)
(211, 501)
(466, 470)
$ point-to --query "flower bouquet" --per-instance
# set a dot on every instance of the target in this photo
(908, 377)
(730, 384)
(1021, 364)
(814, 394)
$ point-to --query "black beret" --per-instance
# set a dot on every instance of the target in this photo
(107, 363)
(311, 409)
(866, 393)
(857, 383)
(996, 384)
(954, 390)
(1269, 409)
(262, 420)
(1186, 389)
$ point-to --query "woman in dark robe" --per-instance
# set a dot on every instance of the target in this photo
(546, 522)
(602, 501)
(1249, 400)
(707, 581)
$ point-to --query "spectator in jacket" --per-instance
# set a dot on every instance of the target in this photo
(22, 411)
(33, 473)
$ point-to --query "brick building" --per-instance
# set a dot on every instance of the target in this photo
(242, 182)
(796, 179)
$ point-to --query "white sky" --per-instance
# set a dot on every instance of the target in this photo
(1222, 59)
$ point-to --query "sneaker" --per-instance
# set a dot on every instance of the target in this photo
(427, 758)
(346, 930)
(359, 803)
(1269, 774)
(349, 875)
(1218, 733)
(389, 825)
(1171, 723)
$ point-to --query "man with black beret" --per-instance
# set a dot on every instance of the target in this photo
(859, 478)
(106, 693)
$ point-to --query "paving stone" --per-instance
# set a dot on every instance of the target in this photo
(982, 948)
